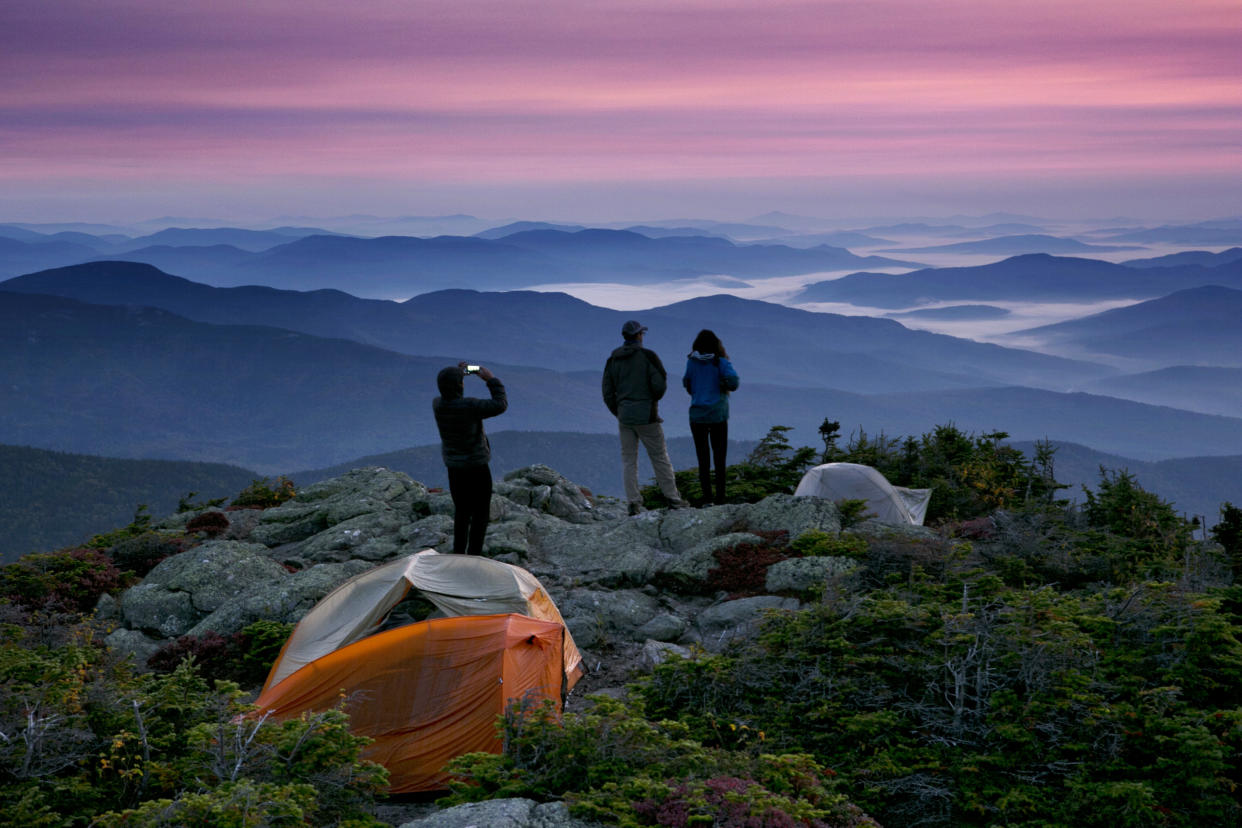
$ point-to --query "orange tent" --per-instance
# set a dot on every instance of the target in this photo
(428, 691)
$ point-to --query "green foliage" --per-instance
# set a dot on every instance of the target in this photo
(140, 525)
(964, 702)
(773, 467)
(1228, 533)
(815, 543)
(85, 735)
(263, 493)
(245, 657)
(613, 764)
(730, 802)
(260, 643)
(244, 804)
(69, 580)
(969, 475)
(1067, 667)
(187, 503)
(139, 554)
(1140, 534)
(853, 511)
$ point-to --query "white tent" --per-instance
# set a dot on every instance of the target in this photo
(853, 481)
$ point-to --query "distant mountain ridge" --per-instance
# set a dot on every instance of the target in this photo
(1189, 257)
(1031, 278)
(1200, 325)
(140, 382)
(1016, 246)
(402, 266)
(1208, 389)
(557, 331)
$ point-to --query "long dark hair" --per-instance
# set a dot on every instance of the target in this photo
(708, 343)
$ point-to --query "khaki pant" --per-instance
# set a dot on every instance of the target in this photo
(652, 437)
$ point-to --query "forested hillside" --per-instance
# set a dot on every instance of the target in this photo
(50, 499)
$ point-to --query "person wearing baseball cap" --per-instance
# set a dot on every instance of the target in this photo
(634, 381)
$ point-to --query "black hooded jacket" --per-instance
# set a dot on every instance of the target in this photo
(463, 443)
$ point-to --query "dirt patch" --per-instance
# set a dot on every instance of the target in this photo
(608, 671)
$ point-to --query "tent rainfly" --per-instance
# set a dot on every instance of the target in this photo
(427, 691)
(853, 481)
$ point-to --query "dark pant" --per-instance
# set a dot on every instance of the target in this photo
(471, 489)
(711, 440)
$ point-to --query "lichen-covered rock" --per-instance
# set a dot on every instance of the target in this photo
(806, 575)
(545, 490)
(286, 600)
(173, 523)
(508, 541)
(740, 618)
(153, 609)
(289, 523)
(107, 608)
(371, 536)
(373, 483)
(331, 502)
(878, 529)
(614, 555)
(183, 589)
(242, 523)
(216, 571)
(794, 515)
(132, 642)
(502, 813)
(620, 612)
(656, 652)
(682, 529)
(618, 580)
(663, 626)
(435, 532)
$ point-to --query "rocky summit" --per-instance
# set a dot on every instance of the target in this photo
(638, 584)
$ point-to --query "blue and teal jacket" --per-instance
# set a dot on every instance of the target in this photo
(709, 379)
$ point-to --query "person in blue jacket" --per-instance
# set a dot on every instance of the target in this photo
(709, 378)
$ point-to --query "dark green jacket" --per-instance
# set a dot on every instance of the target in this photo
(634, 382)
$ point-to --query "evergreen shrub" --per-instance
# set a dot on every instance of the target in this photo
(245, 657)
(262, 493)
(139, 554)
(614, 765)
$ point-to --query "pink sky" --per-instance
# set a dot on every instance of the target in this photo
(595, 109)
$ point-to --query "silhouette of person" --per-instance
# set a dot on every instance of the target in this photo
(466, 451)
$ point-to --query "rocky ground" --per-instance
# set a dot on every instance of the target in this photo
(629, 588)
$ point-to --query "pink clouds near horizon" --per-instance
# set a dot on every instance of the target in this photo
(478, 95)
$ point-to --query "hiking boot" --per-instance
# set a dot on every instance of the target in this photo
(636, 509)
(679, 504)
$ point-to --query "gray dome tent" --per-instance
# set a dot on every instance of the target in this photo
(853, 481)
